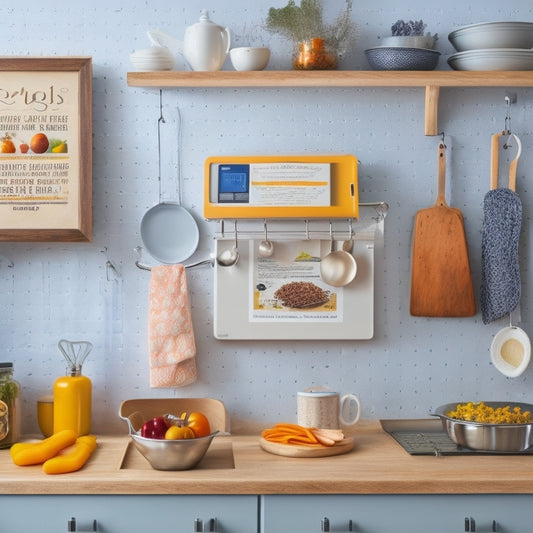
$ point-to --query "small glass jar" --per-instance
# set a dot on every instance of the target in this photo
(9, 405)
(315, 55)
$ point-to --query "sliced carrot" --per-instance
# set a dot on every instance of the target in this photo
(290, 434)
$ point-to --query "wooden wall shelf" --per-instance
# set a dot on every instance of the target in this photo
(431, 81)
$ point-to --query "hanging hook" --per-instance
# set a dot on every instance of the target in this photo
(507, 128)
(9, 261)
(161, 117)
(110, 266)
(510, 98)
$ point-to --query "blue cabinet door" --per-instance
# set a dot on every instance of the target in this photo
(509, 513)
(128, 514)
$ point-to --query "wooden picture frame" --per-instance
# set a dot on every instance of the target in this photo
(46, 149)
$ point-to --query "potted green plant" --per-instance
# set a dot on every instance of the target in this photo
(410, 34)
(317, 43)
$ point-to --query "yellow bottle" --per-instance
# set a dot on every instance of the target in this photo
(73, 392)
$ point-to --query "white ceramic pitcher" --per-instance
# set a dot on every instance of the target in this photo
(205, 45)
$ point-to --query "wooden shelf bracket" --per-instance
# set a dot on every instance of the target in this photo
(432, 110)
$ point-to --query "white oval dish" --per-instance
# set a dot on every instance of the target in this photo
(511, 351)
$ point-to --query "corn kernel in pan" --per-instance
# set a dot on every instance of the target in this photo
(479, 412)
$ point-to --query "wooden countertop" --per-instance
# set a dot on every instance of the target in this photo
(237, 465)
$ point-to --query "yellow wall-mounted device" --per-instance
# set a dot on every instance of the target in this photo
(302, 186)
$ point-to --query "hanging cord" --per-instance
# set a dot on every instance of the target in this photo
(160, 120)
(179, 151)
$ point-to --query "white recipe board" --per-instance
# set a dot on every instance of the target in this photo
(283, 297)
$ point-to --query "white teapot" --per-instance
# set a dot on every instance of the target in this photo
(205, 45)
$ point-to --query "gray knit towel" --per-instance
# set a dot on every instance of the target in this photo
(500, 268)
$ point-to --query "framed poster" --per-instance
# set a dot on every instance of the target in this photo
(45, 149)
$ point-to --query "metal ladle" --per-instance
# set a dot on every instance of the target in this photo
(339, 267)
(229, 257)
(266, 247)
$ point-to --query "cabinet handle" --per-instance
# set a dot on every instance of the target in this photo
(211, 525)
(325, 525)
(470, 524)
(71, 526)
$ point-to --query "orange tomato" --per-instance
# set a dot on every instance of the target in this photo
(179, 433)
(198, 422)
(7, 146)
(39, 143)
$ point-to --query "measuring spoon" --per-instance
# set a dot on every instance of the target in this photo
(229, 257)
(266, 247)
(339, 267)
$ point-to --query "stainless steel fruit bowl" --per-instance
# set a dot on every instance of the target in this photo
(162, 454)
(485, 436)
(182, 454)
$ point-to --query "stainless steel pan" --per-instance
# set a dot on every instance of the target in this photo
(169, 232)
(488, 437)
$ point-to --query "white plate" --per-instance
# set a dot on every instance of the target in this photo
(153, 58)
(511, 351)
(492, 59)
(493, 35)
(169, 233)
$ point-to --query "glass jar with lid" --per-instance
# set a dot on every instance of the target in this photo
(9, 404)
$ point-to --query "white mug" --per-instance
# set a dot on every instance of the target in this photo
(327, 410)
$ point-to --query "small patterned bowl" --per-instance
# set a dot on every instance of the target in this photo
(402, 58)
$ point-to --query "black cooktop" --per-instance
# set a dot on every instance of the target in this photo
(427, 437)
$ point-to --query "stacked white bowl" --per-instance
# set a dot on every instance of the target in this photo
(153, 58)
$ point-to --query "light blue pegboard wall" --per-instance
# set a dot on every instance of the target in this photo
(54, 291)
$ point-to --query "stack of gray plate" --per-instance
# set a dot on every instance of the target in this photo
(493, 46)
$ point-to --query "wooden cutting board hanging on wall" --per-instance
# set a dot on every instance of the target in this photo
(441, 281)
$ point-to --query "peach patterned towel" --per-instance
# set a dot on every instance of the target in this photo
(170, 333)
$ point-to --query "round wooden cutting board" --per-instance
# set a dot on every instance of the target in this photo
(300, 450)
